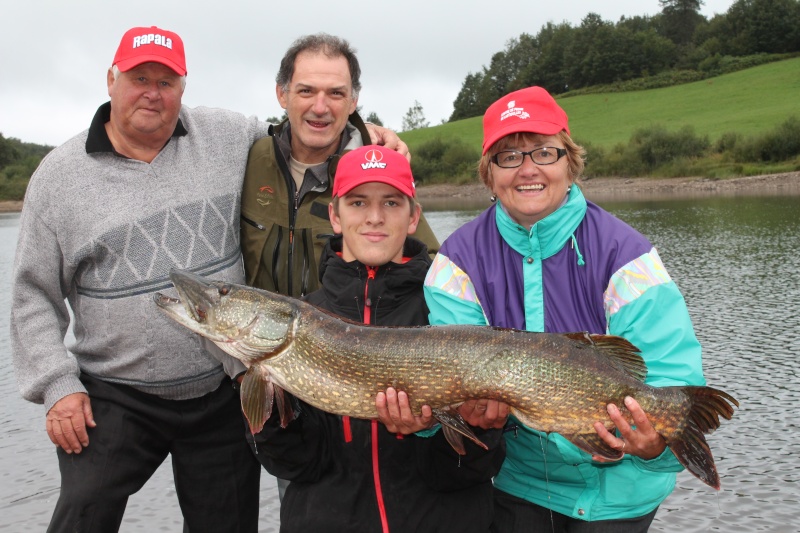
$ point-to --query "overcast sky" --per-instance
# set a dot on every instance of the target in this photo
(54, 54)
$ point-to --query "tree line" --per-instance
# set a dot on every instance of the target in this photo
(18, 160)
(676, 44)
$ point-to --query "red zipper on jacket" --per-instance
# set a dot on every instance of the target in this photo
(376, 467)
(348, 433)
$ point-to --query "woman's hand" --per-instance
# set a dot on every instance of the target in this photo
(642, 442)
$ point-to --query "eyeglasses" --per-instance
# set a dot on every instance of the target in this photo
(540, 156)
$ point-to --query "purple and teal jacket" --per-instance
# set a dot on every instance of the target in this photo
(578, 269)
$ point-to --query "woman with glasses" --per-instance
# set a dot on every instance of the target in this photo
(543, 258)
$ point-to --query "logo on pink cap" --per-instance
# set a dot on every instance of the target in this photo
(514, 111)
(374, 158)
(373, 164)
(152, 38)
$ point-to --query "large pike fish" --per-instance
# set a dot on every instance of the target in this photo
(553, 382)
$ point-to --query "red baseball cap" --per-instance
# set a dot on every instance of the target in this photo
(142, 45)
(530, 110)
(373, 163)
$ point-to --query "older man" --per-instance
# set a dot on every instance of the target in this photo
(149, 186)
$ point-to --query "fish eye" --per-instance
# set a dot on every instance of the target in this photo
(224, 290)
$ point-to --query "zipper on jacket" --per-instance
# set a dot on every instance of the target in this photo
(253, 223)
(292, 220)
(287, 176)
(308, 251)
(275, 258)
(367, 302)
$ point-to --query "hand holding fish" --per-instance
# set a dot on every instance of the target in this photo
(642, 442)
(67, 421)
(486, 414)
(394, 411)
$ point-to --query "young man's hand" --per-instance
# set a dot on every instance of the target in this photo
(394, 411)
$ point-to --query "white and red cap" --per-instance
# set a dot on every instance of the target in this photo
(530, 110)
(373, 163)
(144, 45)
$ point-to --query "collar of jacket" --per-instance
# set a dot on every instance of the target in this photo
(341, 280)
(98, 141)
(550, 234)
(412, 248)
(355, 132)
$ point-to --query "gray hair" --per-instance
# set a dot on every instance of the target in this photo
(115, 70)
(329, 45)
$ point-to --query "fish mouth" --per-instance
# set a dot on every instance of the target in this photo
(174, 308)
(198, 297)
(165, 302)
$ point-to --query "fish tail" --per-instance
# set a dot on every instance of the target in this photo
(690, 447)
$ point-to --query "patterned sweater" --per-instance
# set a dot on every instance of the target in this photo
(102, 232)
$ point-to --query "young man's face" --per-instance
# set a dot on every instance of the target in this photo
(374, 220)
(318, 102)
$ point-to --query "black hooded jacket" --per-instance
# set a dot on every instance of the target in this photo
(354, 475)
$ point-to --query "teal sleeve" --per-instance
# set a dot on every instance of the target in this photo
(658, 323)
(444, 308)
(450, 295)
(448, 308)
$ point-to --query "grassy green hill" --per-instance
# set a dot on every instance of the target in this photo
(748, 102)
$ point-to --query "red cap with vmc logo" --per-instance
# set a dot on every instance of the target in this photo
(373, 163)
(143, 45)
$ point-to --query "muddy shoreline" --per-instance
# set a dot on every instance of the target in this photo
(638, 188)
(609, 189)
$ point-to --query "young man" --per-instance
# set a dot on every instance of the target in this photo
(361, 475)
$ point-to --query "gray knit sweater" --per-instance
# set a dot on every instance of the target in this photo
(102, 232)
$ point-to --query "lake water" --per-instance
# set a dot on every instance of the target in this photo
(737, 261)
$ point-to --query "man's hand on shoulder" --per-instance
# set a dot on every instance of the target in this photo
(388, 138)
(67, 421)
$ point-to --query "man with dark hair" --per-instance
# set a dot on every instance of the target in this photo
(288, 183)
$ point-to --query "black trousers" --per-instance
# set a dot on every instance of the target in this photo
(515, 515)
(216, 475)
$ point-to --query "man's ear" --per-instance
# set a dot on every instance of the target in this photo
(335, 224)
(109, 80)
(282, 96)
(412, 225)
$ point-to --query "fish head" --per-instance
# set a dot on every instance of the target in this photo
(247, 323)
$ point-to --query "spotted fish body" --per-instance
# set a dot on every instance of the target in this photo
(552, 382)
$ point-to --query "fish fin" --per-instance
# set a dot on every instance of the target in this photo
(256, 394)
(690, 447)
(455, 439)
(592, 443)
(454, 426)
(619, 351)
(284, 404)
